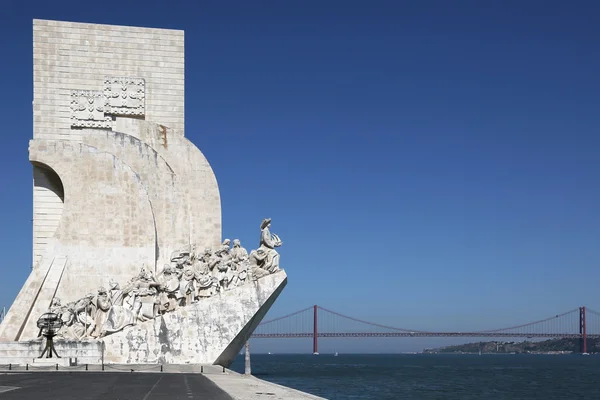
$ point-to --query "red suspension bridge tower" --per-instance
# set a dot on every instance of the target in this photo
(315, 332)
(582, 331)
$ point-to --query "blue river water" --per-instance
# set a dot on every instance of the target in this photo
(433, 376)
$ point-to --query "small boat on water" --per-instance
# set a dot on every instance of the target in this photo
(585, 354)
(315, 353)
(336, 354)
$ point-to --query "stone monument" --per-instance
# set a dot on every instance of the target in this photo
(127, 245)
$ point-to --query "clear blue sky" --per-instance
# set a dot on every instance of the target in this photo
(428, 164)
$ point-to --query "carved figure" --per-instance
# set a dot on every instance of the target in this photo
(239, 254)
(68, 317)
(257, 261)
(225, 246)
(241, 261)
(168, 289)
(204, 281)
(142, 295)
(119, 316)
(181, 256)
(102, 308)
(224, 273)
(266, 257)
(55, 306)
(214, 260)
(84, 309)
(187, 284)
(178, 271)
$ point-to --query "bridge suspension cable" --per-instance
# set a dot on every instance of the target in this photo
(576, 310)
(304, 323)
(286, 316)
(369, 323)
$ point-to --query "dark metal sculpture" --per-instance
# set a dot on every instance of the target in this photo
(49, 324)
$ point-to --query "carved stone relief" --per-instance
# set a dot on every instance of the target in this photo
(87, 110)
(190, 277)
(124, 96)
(121, 96)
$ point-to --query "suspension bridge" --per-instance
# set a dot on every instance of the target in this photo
(317, 322)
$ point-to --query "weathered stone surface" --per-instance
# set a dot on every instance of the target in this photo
(21, 310)
(210, 331)
(27, 351)
(200, 185)
(108, 202)
(121, 197)
(163, 185)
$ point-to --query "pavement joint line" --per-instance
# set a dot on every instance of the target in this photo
(4, 389)
(150, 391)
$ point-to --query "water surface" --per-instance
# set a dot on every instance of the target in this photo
(425, 376)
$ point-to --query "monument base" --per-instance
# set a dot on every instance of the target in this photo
(51, 362)
(22, 353)
(211, 331)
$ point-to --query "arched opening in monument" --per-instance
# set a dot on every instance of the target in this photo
(48, 203)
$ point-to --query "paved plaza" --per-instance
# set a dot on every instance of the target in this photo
(107, 386)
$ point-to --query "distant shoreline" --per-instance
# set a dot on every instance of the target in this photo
(551, 346)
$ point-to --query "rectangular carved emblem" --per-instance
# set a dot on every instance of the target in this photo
(87, 110)
(124, 96)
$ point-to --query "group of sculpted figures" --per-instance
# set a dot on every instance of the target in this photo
(189, 278)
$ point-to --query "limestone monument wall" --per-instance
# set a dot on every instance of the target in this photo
(127, 211)
(77, 56)
(71, 56)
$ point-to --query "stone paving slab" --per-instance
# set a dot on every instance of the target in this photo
(242, 387)
(110, 385)
(223, 382)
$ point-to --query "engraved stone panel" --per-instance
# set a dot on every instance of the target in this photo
(124, 96)
(87, 110)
